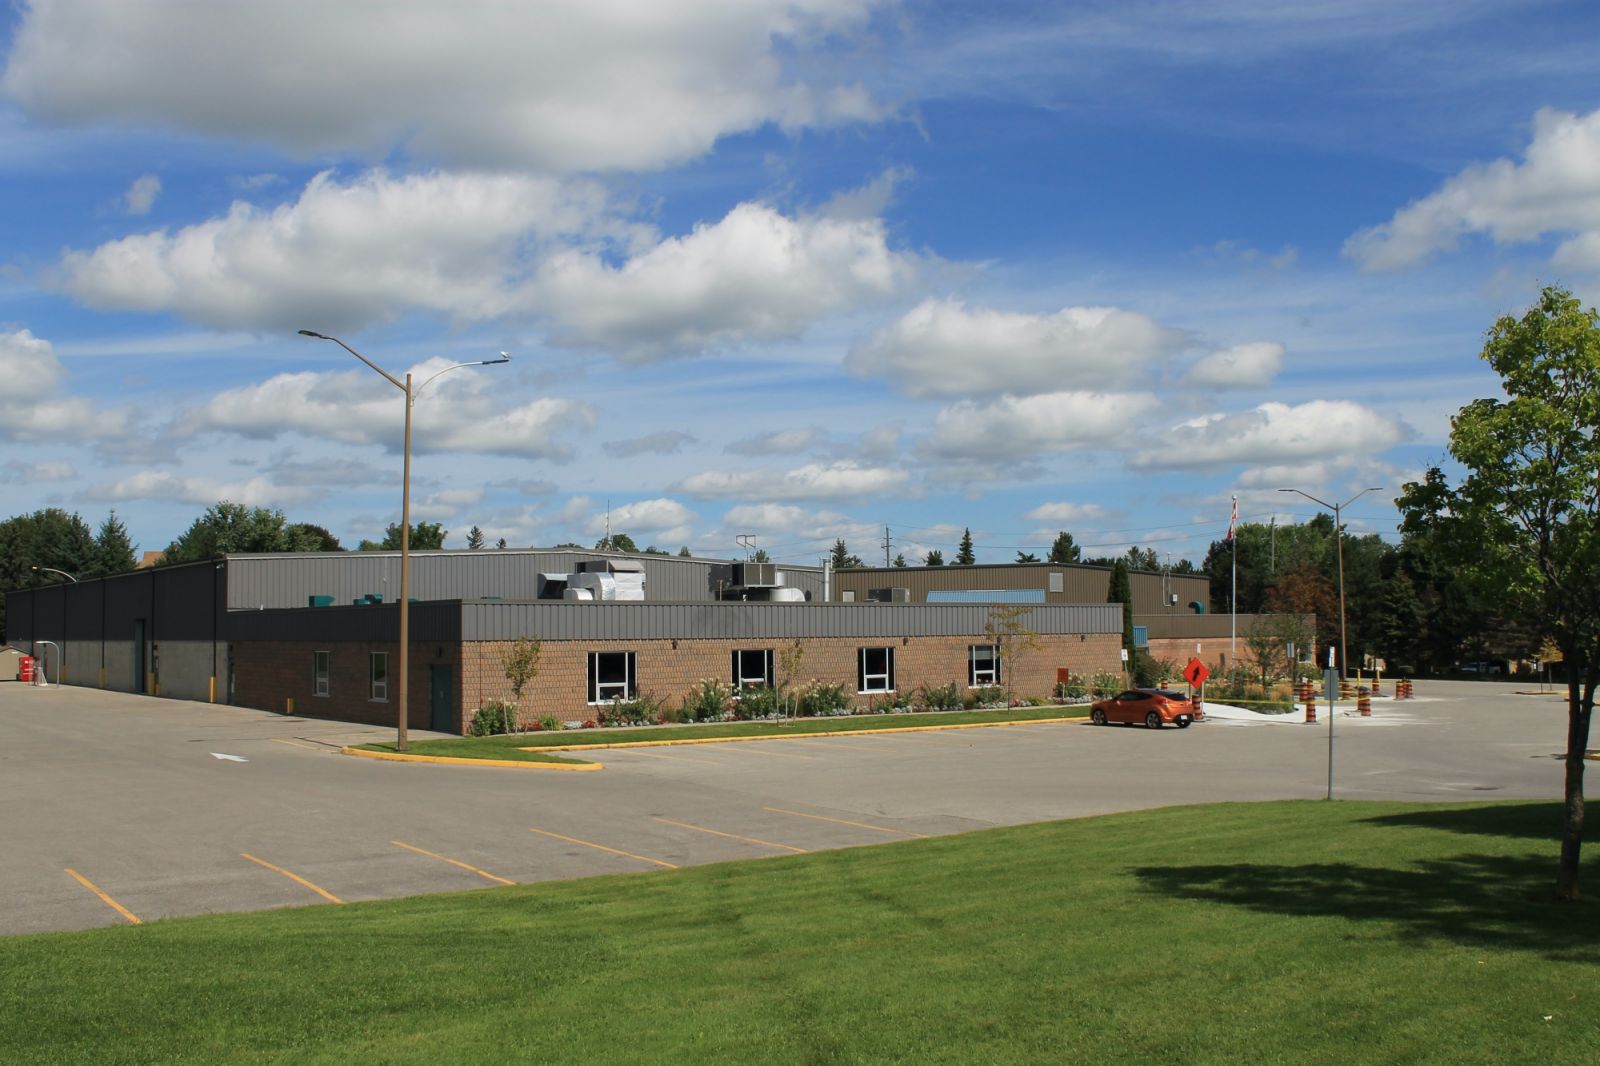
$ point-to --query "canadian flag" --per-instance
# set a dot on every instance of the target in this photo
(1233, 520)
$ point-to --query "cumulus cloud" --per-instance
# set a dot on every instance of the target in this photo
(1552, 190)
(665, 442)
(564, 85)
(459, 413)
(32, 409)
(655, 516)
(755, 274)
(1274, 433)
(342, 255)
(141, 195)
(161, 485)
(943, 348)
(1244, 366)
(814, 481)
(1017, 427)
(1067, 513)
(782, 442)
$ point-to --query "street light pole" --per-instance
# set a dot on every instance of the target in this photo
(1338, 541)
(402, 711)
(62, 665)
(53, 570)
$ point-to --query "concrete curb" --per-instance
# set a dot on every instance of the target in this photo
(517, 764)
(803, 736)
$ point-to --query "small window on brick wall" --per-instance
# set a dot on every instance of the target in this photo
(983, 665)
(752, 668)
(378, 673)
(319, 672)
(611, 676)
(875, 670)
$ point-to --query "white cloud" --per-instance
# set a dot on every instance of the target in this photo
(37, 473)
(459, 413)
(161, 485)
(563, 85)
(756, 274)
(814, 481)
(654, 516)
(1012, 427)
(942, 348)
(1244, 366)
(1275, 433)
(1067, 513)
(666, 442)
(343, 255)
(1554, 189)
(141, 195)
(31, 407)
(781, 442)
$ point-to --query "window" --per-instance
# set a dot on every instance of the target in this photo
(378, 672)
(847, 596)
(611, 676)
(983, 665)
(875, 670)
(319, 673)
(752, 668)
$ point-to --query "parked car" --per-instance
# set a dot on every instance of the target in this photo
(1484, 669)
(1150, 707)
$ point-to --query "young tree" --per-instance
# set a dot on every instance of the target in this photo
(522, 666)
(1012, 640)
(1525, 520)
(964, 554)
(790, 660)
(1064, 551)
(935, 557)
(475, 539)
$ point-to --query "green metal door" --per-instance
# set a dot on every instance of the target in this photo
(441, 703)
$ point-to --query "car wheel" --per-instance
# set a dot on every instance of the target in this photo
(1183, 722)
(1153, 720)
(1098, 717)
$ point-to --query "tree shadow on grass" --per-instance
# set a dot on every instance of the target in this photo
(1491, 901)
(1522, 821)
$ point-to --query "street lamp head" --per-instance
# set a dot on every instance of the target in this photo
(504, 358)
(309, 333)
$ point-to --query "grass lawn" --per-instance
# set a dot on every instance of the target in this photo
(1245, 933)
(508, 747)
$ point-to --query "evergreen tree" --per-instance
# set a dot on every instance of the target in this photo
(935, 557)
(900, 560)
(685, 553)
(1064, 551)
(1027, 557)
(500, 544)
(474, 539)
(761, 556)
(841, 557)
(964, 554)
(1122, 592)
(113, 551)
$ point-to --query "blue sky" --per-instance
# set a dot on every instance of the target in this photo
(798, 270)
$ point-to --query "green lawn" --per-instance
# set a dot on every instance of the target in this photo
(508, 747)
(1288, 932)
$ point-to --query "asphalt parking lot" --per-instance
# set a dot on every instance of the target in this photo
(125, 808)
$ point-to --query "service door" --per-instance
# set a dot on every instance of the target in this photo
(441, 703)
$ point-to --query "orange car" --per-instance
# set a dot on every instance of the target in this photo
(1151, 707)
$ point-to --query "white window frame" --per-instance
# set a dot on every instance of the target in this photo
(741, 679)
(864, 680)
(986, 676)
(603, 692)
(377, 686)
(321, 667)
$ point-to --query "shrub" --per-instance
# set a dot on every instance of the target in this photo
(824, 701)
(1073, 689)
(1147, 672)
(939, 697)
(549, 721)
(1104, 684)
(756, 702)
(494, 717)
(708, 701)
(990, 696)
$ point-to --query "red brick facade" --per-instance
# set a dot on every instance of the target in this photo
(268, 673)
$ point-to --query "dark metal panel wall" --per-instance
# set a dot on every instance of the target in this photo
(429, 621)
(185, 599)
(84, 618)
(19, 617)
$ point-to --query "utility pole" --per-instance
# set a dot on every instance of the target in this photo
(886, 543)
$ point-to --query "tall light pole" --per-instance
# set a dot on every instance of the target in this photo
(62, 666)
(1338, 540)
(402, 711)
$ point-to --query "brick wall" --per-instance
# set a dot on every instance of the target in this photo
(669, 669)
(267, 673)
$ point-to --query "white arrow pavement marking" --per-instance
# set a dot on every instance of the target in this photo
(229, 758)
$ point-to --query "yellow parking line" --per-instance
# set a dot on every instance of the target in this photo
(843, 821)
(753, 750)
(302, 744)
(602, 847)
(296, 878)
(734, 836)
(673, 758)
(133, 919)
(453, 862)
(837, 748)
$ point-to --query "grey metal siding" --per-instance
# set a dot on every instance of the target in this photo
(1075, 583)
(256, 581)
(721, 621)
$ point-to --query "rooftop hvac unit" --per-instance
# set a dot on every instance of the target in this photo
(890, 595)
(755, 575)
